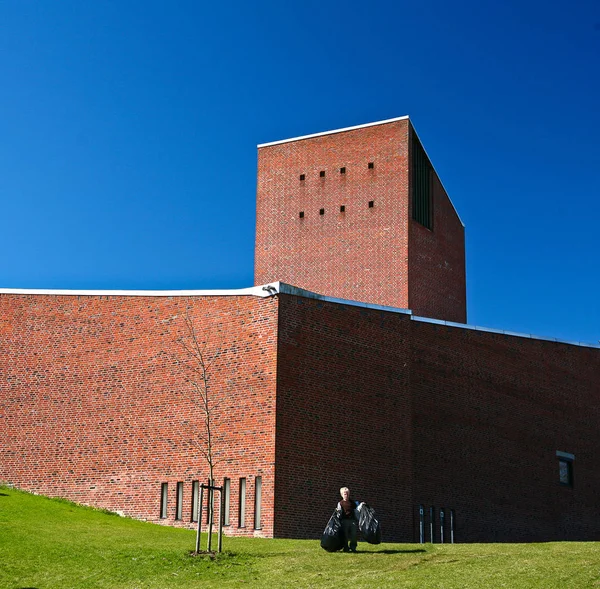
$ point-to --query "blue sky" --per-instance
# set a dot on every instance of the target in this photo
(128, 135)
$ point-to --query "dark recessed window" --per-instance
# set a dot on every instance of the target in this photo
(421, 180)
(163, 500)
(371, 165)
(226, 498)
(195, 491)
(322, 173)
(242, 504)
(257, 502)
(179, 501)
(301, 214)
(342, 170)
(321, 211)
(302, 177)
(565, 468)
(342, 208)
(371, 204)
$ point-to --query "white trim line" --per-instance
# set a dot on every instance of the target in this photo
(257, 291)
(307, 294)
(273, 288)
(501, 332)
(405, 117)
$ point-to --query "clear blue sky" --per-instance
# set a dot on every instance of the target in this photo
(128, 135)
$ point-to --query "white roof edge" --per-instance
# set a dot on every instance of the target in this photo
(502, 332)
(257, 291)
(307, 294)
(277, 287)
(332, 132)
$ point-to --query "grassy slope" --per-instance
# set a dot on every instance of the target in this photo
(47, 544)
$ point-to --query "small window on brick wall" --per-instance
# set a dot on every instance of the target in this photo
(226, 497)
(179, 501)
(421, 182)
(565, 468)
(164, 492)
(257, 502)
(242, 504)
(195, 493)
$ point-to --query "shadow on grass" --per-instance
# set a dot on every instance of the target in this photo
(387, 551)
(7, 495)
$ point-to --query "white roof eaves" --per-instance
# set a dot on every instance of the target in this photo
(502, 332)
(307, 294)
(332, 132)
(257, 291)
(274, 288)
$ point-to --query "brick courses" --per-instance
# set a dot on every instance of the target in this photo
(343, 414)
(490, 413)
(94, 408)
(314, 393)
(374, 254)
(317, 394)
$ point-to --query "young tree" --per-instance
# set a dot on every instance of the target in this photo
(196, 365)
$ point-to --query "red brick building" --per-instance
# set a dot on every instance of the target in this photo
(360, 214)
(492, 436)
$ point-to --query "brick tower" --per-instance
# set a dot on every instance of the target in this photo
(360, 213)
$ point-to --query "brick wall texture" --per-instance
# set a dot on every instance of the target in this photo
(308, 392)
(314, 395)
(95, 406)
(377, 253)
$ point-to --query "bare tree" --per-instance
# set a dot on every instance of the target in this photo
(196, 366)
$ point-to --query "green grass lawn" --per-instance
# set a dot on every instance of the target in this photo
(48, 544)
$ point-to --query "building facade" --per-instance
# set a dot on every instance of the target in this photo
(450, 431)
(361, 214)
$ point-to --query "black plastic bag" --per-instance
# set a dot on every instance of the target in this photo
(333, 536)
(368, 525)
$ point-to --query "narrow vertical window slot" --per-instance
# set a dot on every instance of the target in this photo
(164, 492)
(242, 504)
(179, 501)
(195, 497)
(226, 498)
(257, 502)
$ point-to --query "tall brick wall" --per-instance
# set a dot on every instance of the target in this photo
(374, 254)
(490, 413)
(343, 415)
(436, 261)
(315, 395)
(360, 254)
(94, 408)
